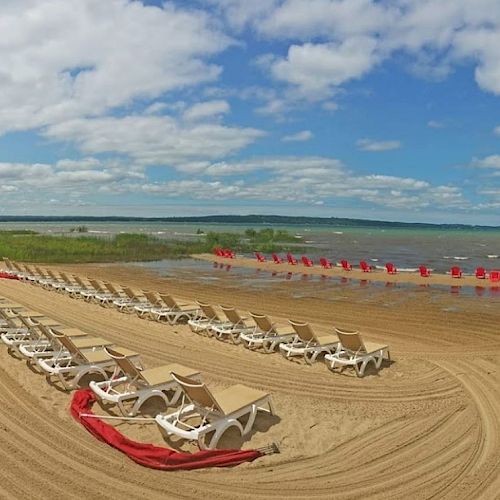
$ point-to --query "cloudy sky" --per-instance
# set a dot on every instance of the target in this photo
(383, 109)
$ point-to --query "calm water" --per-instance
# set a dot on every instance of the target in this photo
(407, 248)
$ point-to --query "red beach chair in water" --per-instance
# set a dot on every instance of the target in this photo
(424, 272)
(495, 276)
(291, 259)
(481, 273)
(277, 259)
(325, 263)
(456, 272)
(219, 252)
(228, 253)
(260, 257)
(391, 268)
(346, 266)
(307, 261)
(365, 267)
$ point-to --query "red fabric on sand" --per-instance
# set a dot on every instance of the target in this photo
(8, 276)
(149, 455)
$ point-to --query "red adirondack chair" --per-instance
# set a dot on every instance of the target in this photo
(391, 268)
(219, 252)
(365, 267)
(494, 276)
(260, 257)
(424, 272)
(291, 259)
(307, 261)
(277, 259)
(228, 253)
(346, 266)
(456, 272)
(481, 273)
(325, 263)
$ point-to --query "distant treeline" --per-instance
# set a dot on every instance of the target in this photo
(248, 219)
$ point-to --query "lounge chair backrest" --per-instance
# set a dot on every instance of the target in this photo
(232, 314)
(152, 298)
(97, 286)
(67, 343)
(303, 330)
(169, 300)
(52, 275)
(29, 269)
(112, 288)
(79, 281)
(263, 322)
(208, 310)
(130, 293)
(17, 267)
(125, 364)
(65, 277)
(198, 393)
(40, 271)
(8, 263)
(351, 340)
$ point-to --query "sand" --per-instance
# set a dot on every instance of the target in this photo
(426, 426)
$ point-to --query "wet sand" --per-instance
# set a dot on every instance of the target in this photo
(375, 275)
(427, 425)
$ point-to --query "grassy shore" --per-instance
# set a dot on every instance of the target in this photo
(30, 246)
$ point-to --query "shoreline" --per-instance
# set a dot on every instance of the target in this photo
(375, 275)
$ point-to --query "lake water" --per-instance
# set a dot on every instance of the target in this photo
(406, 248)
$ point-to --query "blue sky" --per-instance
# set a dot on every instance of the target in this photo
(348, 108)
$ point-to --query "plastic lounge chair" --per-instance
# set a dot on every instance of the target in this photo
(346, 266)
(494, 276)
(20, 327)
(139, 384)
(152, 301)
(176, 310)
(325, 263)
(102, 295)
(308, 344)
(291, 259)
(424, 272)
(481, 273)
(391, 268)
(267, 334)
(260, 257)
(49, 345)
(218, 411)
(456, 272)
(365, 267)
(235, 325)
(74, 363)
(207, 318)
(355, 352)
(277, 259)
(307, 261)
(128, 300)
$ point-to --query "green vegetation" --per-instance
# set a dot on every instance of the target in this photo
(30, 246)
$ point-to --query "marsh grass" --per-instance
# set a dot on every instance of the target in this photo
(29, 246)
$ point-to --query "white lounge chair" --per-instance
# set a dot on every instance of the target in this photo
(235, 326)
(71, 367)
(355, 352)
(267, 335)
(129, 300)
(177, 310)
(140, 385)
(309, 344)
(217, 411)
(152, 301)
(207, 318)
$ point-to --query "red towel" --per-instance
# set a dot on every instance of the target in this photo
(149, 455)
(8, 276)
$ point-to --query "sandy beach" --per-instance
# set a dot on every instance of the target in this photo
(427, 425)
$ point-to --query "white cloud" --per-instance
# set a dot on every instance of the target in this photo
(63, 59)
(435, 124)
(492, 161)
(304, 135)
(496, 130)
(206, 110)
(159, 140)
(377, 146)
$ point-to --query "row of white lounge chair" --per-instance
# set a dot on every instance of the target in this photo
(342, 348)
(68, 354)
